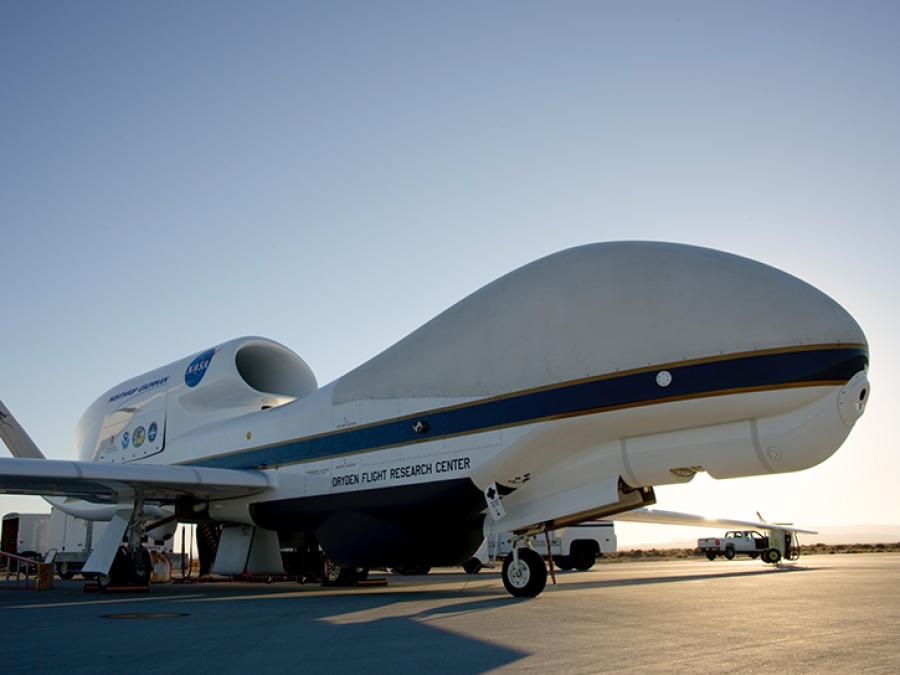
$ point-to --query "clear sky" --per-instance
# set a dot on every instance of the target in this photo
(332, 175)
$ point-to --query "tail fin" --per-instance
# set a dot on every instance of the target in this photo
(16, 438)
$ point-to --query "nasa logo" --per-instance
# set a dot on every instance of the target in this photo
(198, 367)
(151, 432)
(125, 438)
(138, 437)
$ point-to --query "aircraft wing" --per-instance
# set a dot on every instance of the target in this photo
(117, 483)
(15, 437)
(661, 517)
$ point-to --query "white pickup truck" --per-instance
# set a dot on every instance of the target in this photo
(735, 542)
(576, 546)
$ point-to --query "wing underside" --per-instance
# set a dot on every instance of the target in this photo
(117, 483)
(661, 517)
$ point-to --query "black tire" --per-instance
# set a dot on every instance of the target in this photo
(64, 571)
(472, 566)
(130, 569)
(527, 578)
(143, 567)
(563, 562)
(772, 556)
(331, 572)
(335, 575)
(584, 561)
(710, 555)
(729, 553)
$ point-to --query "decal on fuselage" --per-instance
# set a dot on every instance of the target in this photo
(139, 389)
(402, 472)
(198, 367)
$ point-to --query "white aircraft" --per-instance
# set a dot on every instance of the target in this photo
(562, 391)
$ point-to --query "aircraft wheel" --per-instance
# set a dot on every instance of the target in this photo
(527, 577)
(62, 569)
(472, 566)
(710, 555)
(772, 556)
(332, 573)
(143, 567)
(335, 575)
(729, 554)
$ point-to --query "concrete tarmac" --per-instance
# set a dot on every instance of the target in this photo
(837, 613)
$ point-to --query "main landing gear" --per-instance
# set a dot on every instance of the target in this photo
(131, 568)
(524, 573)
(119, 561)
(335, 575)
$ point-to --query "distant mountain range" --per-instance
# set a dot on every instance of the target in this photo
(828, 534)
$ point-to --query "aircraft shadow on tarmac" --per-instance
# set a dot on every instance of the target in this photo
(258, 632)
(275, 629)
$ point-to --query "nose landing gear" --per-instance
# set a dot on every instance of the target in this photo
(524, 573)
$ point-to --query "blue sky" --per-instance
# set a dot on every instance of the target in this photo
(332, 175)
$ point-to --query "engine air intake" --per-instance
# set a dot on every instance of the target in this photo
(270, 368)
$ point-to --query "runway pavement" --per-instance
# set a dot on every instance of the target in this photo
(837, 613)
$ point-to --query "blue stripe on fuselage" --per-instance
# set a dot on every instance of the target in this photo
(564, 400)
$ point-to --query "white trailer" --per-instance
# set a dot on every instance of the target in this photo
(573, 547)
(25, 534)
(73, 539)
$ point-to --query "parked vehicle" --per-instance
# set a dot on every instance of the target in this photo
(71, 540)
(735, 542)
(25, 534)
(574, 547)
